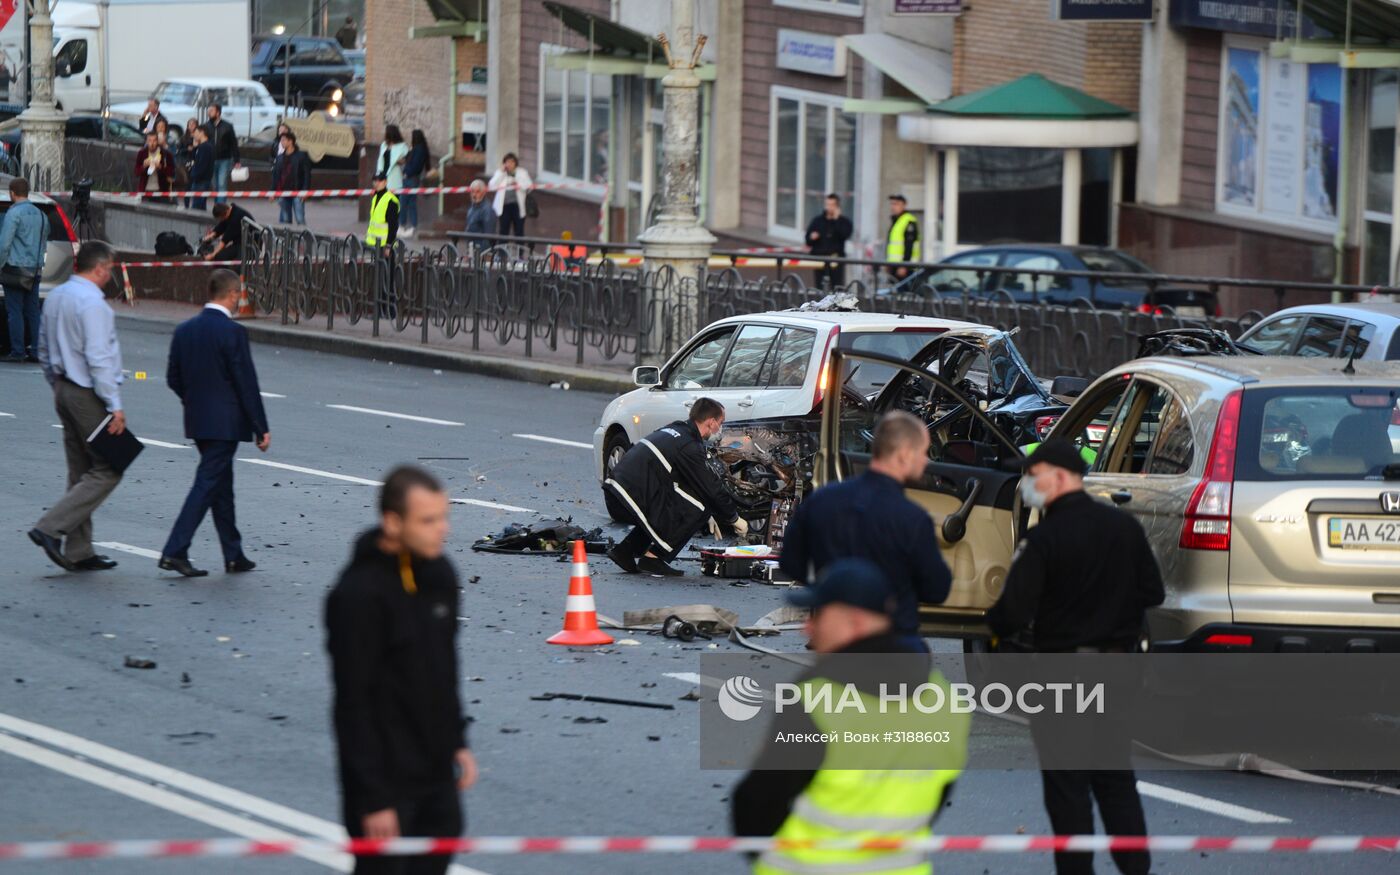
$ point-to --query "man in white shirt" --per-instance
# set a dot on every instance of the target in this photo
(83, 363)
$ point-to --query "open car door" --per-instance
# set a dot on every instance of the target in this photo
(968, 487)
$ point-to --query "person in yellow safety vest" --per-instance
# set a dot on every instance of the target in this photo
(845, 789)
(383, 227)
(902, 244)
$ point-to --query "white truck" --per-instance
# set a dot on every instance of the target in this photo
(148, 41)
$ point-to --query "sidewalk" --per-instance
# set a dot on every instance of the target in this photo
(508, 362)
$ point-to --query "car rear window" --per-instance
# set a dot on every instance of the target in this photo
(1311, 433)
(898, 344)
(58, 233)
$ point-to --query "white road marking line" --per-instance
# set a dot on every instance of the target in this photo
(127, 548)
(7, 414)
(152, 442)
(56, 425)
(313, 471)
(271, 395)
(370, 410)
(183, 781)
(553, 440)
(1208, 805)
(688, 677)
(491, 504)
(173, 802)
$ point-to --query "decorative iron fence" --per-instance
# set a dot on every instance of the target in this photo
(509, 298)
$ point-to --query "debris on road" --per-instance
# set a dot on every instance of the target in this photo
(590, 720)
(139, 662)
(706, 618)
(692, 696)
(548, 537)
(601, 700)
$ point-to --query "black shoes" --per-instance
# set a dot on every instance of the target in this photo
(657, 568)
(175, 563)
(52, 547)
(626, 561)
(95, 563)
(240, 565)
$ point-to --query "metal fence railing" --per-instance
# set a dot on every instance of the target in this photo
(540, 297)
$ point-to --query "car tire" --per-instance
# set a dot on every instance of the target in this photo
(615, 446)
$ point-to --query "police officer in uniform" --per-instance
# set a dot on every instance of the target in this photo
(1081, 582)
(902, 244)
(841, 789)
(664, 486)
(383, 227)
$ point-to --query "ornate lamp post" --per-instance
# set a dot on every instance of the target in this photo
(41, 124)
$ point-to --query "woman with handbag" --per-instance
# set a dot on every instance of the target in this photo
(393, 154)
(513, 208)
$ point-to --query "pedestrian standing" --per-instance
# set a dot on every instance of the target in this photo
(383, 227)
(226, 157)
(665, 488)
(417, 163)
(24, 240)
(1081, 582)
(902, 243)
(82, 361)
(481, 218)
(828, 788)
(291, 172)
(155, 168)
(401, 733)
(348, 33)
(210, 369)
(393, 154)
(870, 517)
(201, 167)
(512, 185)
(827, 235)
(148, 120)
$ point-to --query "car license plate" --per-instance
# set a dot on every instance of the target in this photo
(1360, 532)
(1190, 311)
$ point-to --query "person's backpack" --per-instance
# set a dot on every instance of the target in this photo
(172, 243)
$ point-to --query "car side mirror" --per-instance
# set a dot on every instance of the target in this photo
(1068, 387)
(646, 375)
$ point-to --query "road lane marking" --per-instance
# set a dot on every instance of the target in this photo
(152, 442)
(238, 800)
(313, 471)
(7, 414)
(271, 395)
(127, 548)
(1208, 805)
(491, 504)
(688, 677)
(56, 425)
(553, 440)
(372, 411)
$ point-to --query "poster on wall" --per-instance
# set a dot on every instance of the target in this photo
(1240, 131)
(1322, 141)
(1282, 138)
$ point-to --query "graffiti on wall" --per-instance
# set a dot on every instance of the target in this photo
(409, 109)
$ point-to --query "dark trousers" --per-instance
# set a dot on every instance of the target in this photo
(22, 308)
(90, 478)
(437, 814)
(212, 490)
(639, 540)
(833, 276)
(511, 223)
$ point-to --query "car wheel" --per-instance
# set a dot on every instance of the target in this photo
(614, 448)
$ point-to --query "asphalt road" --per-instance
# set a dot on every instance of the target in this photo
(229, 734)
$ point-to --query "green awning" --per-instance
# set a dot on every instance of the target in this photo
(606, 35)
(458, 10)
(1031, 97)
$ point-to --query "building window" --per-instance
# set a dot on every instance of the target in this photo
(1280, 137)
(575, 120)
(1381, 111)
(812, 152)
(836, 7)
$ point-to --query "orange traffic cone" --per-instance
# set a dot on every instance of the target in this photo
(580, 613)
(245, 306)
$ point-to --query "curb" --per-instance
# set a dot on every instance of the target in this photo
(524, 370)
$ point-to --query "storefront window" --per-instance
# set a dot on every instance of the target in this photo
(1380, 174)
(1009, 194)
(575, 112)
(1280, 137)
(813, 154)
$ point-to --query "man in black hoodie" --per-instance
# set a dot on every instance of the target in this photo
(391, 624)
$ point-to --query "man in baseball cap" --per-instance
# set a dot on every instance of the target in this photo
(852, 602)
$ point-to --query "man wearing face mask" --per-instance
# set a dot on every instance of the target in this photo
(665, 488)
(869, 517)
(1081, 581)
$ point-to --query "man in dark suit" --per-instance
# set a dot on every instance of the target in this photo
(211, 369)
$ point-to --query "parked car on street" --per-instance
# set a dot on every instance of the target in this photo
(318, 68)
(350, 106)
(1371, 329)
(1010, 272)
(62, 246)
(76, 127)
(1269, 488)
(247, 105)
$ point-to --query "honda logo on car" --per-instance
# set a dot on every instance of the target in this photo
(1390, 502)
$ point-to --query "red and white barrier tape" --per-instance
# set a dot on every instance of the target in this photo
(199, 262)
(311, 192)
(129, 849)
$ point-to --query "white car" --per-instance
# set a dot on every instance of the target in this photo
(246, 104)
(759, 366)
(1330, 331)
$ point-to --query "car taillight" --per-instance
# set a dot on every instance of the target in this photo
(823, 371)
(1223, 640)
(1149, 309)
(1043, 424)
(1395, 415)
(1207, 523)
(68, 227)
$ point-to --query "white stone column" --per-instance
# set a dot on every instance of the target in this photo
(41, 124)
(933, 247)
(950, 203)
(1071, 180)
